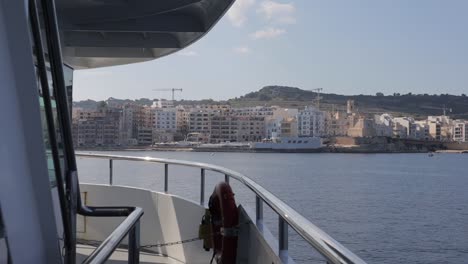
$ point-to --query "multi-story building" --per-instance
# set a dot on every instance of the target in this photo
(383, 125)
(434, 130)
(420, 131)
(403, 127)
(251, 129)
(444, 123)
(144, 136)
(360, 126)
(460, 130)
(336, 124)
(237, 129)
(289, 127)
(135, 118)
(163, 103)
(262, 111)
(199, 120)
(224, 129)
(273, 127)
(165, 119)
(311, 122)
(97, 128)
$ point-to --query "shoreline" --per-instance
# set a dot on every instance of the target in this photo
(357, 150)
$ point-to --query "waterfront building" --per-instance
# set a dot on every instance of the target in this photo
(199, 120)
(336, 124)
(182, 117)
(251, 129)
(289, 127)
(360, 126)
(434, 130)
(262, 111)
(224, 129)
(383, 125)
(311, 122)
(144, 136)
(460, 130)
(273, 127)
(96, 128)
(403, 127)
(135, 118)
(164, 119)
(237, 129)
(421, 130)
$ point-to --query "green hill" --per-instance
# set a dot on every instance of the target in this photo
(418, 105)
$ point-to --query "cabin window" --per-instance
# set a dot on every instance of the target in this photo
(68, 74)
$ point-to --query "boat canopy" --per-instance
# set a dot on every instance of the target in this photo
(98, 33)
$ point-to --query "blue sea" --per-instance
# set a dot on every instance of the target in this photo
(387, 208)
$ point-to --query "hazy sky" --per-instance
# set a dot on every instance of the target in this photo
(346, 47)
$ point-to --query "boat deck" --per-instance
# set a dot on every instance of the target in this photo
(120, 256)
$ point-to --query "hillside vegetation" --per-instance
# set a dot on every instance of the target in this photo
(417, 105)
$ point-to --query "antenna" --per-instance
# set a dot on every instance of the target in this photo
(173, 90)
(445, 110)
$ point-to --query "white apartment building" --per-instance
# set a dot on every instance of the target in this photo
(421, 130)
(199, 120)
(261, 111)
(273, 127)
(460, 130)
(403, 127)
(165, 119)
(163, 103)
(383, 125)
(311, 122)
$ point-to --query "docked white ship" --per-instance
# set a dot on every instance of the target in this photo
(48, 216)
(289, 143)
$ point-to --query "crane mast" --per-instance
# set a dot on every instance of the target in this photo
(173, 90)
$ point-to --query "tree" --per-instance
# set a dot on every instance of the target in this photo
(379, 94)
(102, 104)
(463, 95)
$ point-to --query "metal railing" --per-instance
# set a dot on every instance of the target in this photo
(328, 247)
(130, 226)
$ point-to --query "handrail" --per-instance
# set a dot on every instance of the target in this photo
(328, 247)
(129, 226)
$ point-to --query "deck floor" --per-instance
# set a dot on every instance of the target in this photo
(120, 256)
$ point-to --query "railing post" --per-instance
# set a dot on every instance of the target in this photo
(202, 188)
(134, 244)
(111, 172)
(166, 178)
(258, 210)
(283, 238)
(226, 178)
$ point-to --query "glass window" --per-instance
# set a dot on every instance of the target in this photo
(68, 74)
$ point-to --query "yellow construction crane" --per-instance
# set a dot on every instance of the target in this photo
(173, 90)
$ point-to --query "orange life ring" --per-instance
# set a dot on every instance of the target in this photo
(224, 222)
